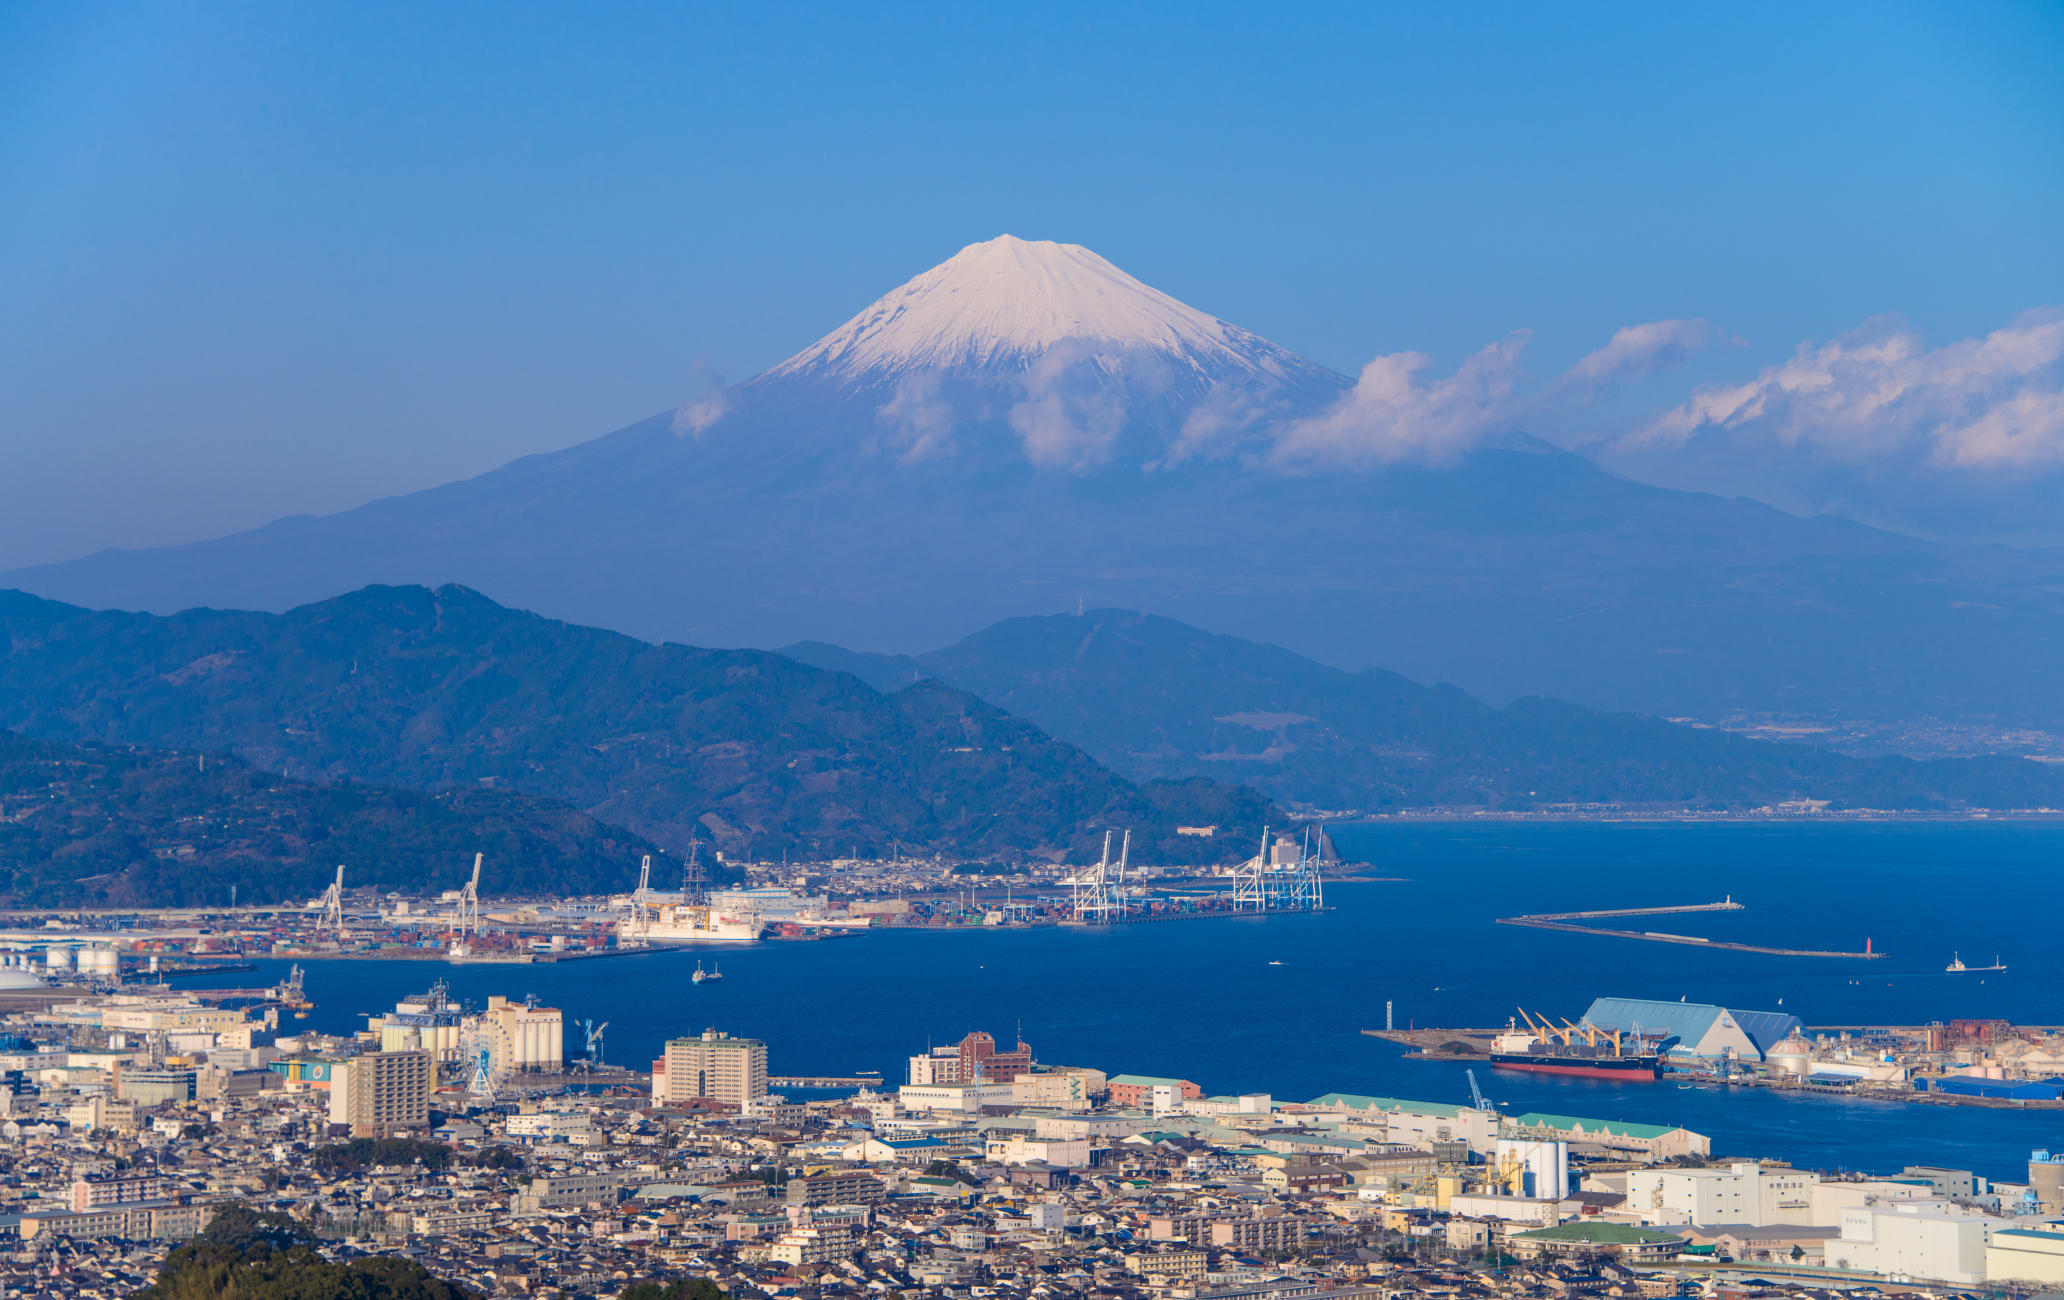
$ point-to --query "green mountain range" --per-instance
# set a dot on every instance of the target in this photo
(442, 690)
(1153, 697)
(122, 826)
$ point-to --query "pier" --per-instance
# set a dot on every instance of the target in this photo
(824, 1081)
(1572, 923)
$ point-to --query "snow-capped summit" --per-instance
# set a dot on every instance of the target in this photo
(1005, 302)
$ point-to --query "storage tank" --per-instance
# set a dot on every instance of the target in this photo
(1792, 1055)
(2046, 1179)
(100, 960)
(57, 958)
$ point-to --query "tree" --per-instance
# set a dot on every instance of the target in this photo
(247, 1230)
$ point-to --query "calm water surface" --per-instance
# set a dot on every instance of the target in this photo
(1200, 1000)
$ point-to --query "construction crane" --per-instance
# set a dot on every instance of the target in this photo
(467, 919)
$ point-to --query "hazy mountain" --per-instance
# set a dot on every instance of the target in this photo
(1025, 427)
(446, 689)
(121, 826)
(1156, 698)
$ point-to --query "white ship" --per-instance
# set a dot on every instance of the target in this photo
(687, 923)
(1956, 966)
(651, 917)
(778, 906)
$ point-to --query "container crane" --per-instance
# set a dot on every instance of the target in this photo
(332, 905)
(467, 919)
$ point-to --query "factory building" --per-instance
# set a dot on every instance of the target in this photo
(1533, 1167)
(1923, 1240)
(524, 1036)
(431, 1022)
(150, 1088)
(1657, 1141)
(1743, 1192)
(1696, 1029)
(2033, 1254)
(1412, 1123)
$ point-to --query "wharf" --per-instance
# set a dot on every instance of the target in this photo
(1440, 1044)
(824, 1081)
(1571, 923)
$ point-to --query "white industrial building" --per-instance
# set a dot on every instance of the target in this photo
(1831, 1199)
(1915, 1240)
(953, 1098)
(2034, 1253)
(1744, 1192)
(1018, 1149)
(1510, 1209)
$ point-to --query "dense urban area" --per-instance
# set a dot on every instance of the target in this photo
(204, 1142)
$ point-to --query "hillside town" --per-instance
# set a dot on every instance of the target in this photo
(467, 1140)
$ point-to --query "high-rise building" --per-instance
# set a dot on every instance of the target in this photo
(715, 1066)
(380, 1093)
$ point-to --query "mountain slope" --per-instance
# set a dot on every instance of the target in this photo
(1025, 428)
(121, 826)
(1154, 697)
(443, 689)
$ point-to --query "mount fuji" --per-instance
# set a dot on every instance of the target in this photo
(1025, 428)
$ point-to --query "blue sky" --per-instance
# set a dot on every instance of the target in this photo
(257, 260)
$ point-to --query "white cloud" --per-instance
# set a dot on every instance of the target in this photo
(1637, 350)
(695, 416)
(919, 419)
(1879, 393)
(1393, 414)
(1071, 416)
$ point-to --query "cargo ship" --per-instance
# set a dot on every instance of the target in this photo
(1545, 1049)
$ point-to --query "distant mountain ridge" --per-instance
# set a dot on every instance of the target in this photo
(1153, 697)
(1025, 426)
(124, 826)
(748, 750)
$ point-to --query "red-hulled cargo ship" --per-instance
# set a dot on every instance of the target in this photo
(1627, 1069)
(1545, 1049)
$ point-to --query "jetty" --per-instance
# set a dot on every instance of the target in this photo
(1574, 923)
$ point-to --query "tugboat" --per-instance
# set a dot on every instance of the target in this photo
(700, 974)
(1956, 966)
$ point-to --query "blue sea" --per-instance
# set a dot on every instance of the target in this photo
(1201, 1000)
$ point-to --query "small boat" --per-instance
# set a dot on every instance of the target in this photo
(1275, 963)
(700, 974)
(1956, 966)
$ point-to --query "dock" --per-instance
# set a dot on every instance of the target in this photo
(824, 1081)
(1573, 923)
